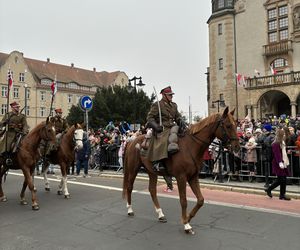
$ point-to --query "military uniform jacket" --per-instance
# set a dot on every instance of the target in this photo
(60, 124)
(158, 147)
(169, 113)
(15, 123)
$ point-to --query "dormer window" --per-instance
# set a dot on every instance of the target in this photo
(218, 5)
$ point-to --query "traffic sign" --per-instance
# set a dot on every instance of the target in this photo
(86, 103)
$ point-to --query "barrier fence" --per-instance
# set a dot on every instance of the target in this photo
(228, 165)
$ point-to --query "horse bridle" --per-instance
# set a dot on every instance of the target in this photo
(225, 138)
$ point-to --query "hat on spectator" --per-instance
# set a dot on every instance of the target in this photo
(248, 131)
(268, 127)
(258, 130)
(167, 91)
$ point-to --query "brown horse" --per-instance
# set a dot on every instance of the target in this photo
(64, 156)
(184, 165)
(26, 158)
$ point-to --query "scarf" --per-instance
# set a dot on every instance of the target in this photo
(285, 158)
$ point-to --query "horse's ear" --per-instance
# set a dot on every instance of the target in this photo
(225, 112)
(232, 112)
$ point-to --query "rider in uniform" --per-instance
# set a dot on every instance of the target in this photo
(16, 126)
(164, 139)
(61, 127)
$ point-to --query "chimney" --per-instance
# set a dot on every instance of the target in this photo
(94, 69)
(72, 65)
(48, 60)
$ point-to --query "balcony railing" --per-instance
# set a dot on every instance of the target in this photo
(281, 47)
(273, 80)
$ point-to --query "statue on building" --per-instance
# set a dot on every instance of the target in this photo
(296, 18)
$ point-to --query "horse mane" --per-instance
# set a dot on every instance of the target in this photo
(208, 121)
(36, 129)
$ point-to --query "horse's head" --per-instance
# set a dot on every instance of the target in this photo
(226, 130)
(49, 133)
(78, 136)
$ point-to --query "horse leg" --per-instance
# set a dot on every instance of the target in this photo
(59, 191)
(129, 189)
(65, 182)
(153, 192)
(3, 198)
(45, 165)
(45, 169)
(28, 180)
(181, 183)
(194, 184)
(22, 194)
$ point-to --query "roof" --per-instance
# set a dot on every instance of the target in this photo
(66, 74)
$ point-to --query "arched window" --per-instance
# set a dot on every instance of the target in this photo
(279, 63)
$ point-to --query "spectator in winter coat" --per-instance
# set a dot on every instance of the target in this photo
(280, 163)
(83, 155)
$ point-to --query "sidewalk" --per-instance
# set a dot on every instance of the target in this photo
(235, 186)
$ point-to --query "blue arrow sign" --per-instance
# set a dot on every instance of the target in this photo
(86, 102)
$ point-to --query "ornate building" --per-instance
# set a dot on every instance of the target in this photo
(34, 78)
(254, 51)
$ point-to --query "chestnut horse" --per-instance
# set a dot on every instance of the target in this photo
(184, 165)
(26, 158)
(64, 156)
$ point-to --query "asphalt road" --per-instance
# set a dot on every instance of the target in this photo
(96, 218)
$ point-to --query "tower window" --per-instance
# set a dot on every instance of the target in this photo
(220, 63)
(220, 29)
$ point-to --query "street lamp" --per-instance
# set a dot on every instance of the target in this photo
(130, 88)
(220, 103)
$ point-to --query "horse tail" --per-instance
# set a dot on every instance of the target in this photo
(125, 172)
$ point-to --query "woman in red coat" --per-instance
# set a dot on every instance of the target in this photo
(280, 163)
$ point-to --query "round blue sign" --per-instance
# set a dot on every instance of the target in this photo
(86, 102)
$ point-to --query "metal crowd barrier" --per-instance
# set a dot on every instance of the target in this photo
(106, 157)
(239, 166)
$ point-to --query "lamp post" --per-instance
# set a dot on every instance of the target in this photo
(220, 103)
(130, 88)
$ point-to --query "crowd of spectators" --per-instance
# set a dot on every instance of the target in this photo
(254, 159)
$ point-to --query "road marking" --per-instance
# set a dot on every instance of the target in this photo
(217, 203)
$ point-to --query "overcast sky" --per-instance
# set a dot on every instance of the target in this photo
(164, 41)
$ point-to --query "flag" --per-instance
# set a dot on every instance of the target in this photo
(240, 80)
(273, 71)
(257, 72)
(9, 81)
(54, 87)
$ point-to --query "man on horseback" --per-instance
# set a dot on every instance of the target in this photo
(164, 119)
(61, 126)
(16, 127)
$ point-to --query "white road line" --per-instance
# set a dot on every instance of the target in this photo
(217, 203)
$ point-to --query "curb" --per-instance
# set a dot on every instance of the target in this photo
(230, 188)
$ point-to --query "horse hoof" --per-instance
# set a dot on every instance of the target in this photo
(59, 192)
(189, 231)
(47, 189)
(162, 219)
(35, 207)
(67, 196)
(34, 189)
(23, 202)
(131, 214)
(3, 199)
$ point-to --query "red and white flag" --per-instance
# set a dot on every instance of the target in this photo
(273, 71)
(240, 80)
(54, 87)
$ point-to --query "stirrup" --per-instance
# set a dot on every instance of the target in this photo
(158, 166)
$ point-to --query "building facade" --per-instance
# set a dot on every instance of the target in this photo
(254, 57)
(32, 81)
